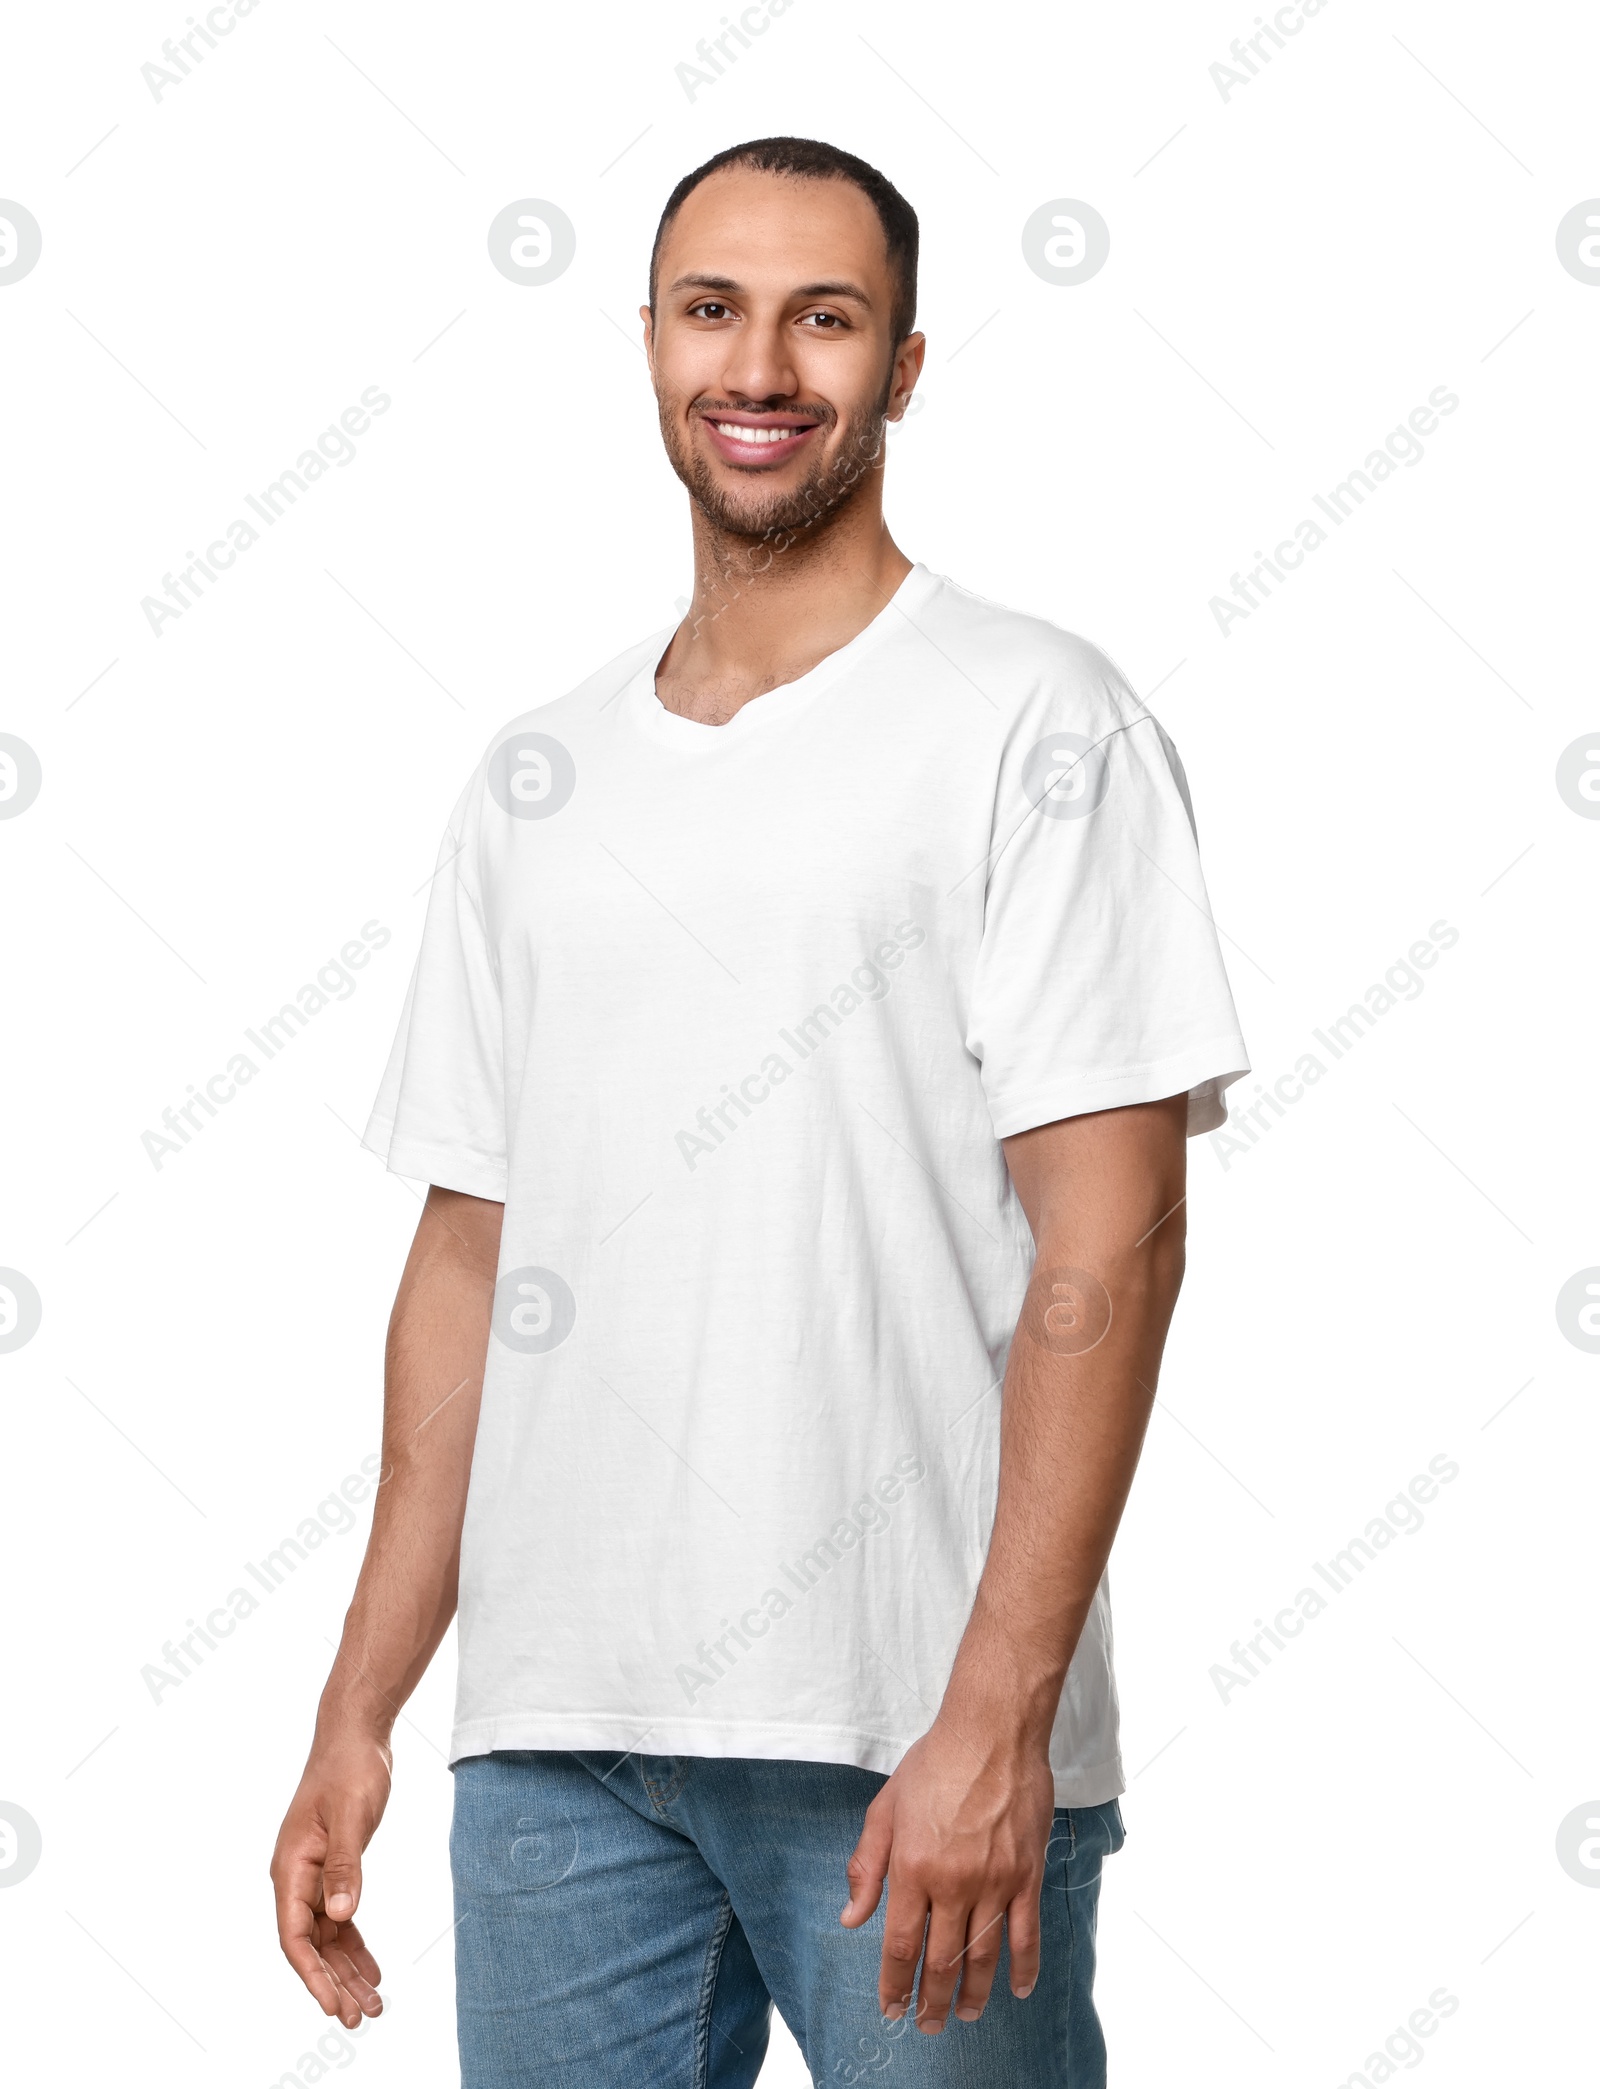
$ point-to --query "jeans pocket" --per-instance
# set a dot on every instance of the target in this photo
(1062, 1846)
(1116, 1832)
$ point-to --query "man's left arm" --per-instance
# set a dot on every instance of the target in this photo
(960, 1830)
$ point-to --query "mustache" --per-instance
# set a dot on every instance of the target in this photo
(710, 408)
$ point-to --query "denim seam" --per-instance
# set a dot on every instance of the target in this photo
(1068, 1989)
(708, 1992)
(663, 1791)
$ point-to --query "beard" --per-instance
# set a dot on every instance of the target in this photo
(750, 513)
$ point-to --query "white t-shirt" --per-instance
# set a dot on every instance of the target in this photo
(733, 1019)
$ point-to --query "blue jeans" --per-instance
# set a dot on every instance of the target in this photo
(628, 1925)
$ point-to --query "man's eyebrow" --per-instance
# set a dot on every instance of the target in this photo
(838, 288)
(833, 288)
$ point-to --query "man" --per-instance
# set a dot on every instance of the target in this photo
(810, 1013)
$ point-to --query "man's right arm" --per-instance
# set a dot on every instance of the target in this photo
(404, 1599)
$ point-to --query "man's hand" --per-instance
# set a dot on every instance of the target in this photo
(404, 1600)
(961, 1841)
(316, 1873)
(961, 1828)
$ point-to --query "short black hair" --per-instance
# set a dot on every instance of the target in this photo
(809, 159)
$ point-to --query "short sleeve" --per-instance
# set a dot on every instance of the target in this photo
(440, 1115)
(1099, 980)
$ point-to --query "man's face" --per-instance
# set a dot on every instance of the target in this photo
(771, 349)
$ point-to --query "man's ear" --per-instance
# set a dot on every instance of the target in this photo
(908, 360)
(649, 338)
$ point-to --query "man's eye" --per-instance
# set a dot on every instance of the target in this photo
(823, 319)
(709, 310)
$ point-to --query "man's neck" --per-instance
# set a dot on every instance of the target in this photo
(763, 616)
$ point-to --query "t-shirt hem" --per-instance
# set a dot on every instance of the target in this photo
(1202, 1072)
(450, 1167)
(1076, 1784)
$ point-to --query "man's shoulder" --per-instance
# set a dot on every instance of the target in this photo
(562, 723)
(1025, 664)
(579, 705)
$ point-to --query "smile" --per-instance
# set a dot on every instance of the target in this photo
(737, 434)
(748, 441)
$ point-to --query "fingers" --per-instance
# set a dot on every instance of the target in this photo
(1022, 1930)
(979, 1962)
(299, 1933)
(960, 1954)
(353, 1968)
(320, 1984)
(941, 1963)
(868, 1866)
(959, 1950)
(903, 1929)
(341, 1868)
(311, 1865)
(349, 2007)
(354, 1946)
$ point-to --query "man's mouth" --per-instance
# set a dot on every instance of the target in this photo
(746, 439)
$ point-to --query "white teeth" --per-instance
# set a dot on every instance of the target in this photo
(753, 435)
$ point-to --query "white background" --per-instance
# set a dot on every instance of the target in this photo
(1373, 1283)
